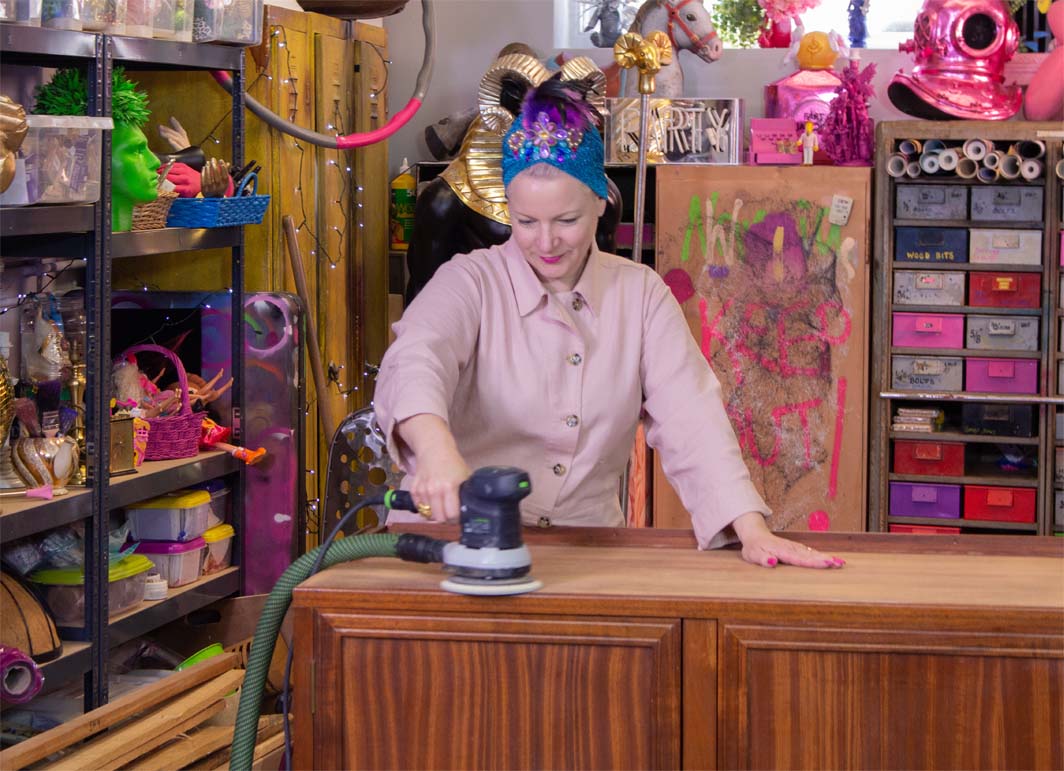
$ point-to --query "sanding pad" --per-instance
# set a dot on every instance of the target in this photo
(496, 588)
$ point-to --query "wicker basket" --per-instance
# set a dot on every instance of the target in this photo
(240, 209)
(152, 216)
(172, 436)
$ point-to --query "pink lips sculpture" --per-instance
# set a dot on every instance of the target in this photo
(960, 48)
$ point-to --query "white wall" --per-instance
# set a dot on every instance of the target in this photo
(469, 33)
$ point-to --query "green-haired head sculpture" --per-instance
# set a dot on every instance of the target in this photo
(133, 165)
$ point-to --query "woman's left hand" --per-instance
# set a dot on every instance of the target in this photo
(763, 547)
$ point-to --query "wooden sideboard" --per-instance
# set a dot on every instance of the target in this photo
(640, 652)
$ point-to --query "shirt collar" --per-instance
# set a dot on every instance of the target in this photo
(529, 292)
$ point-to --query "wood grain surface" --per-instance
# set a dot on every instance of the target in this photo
(650, 654)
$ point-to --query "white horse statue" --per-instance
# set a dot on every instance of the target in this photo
(689, 28)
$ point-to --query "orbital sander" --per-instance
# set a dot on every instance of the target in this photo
(490, 557)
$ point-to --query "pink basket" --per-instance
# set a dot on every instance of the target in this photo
(172, 436)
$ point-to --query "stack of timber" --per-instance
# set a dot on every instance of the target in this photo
(184, 721)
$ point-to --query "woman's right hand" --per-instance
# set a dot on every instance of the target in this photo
(440, 466)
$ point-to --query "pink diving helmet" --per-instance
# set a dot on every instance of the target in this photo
(961, 47)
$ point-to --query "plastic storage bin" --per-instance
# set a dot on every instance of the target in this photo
(25, 12)
(219, 541)
(219, 492)
(140, 18)
(174, 19)
(228, 21)
(178, 516)
(177, 561)
(59, 161)
(104, 16)
(63, 589)
(61, 14)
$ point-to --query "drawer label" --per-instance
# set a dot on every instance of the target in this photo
(1002, 327)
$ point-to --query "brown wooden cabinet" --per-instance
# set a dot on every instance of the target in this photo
(649, 654)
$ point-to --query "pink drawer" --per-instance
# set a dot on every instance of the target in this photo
(928, 330)
(1010, 376)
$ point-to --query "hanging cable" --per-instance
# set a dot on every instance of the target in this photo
(421, 87)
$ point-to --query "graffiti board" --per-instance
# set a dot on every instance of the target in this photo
(770, 266)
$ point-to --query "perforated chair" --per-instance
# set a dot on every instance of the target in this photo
(359, 466)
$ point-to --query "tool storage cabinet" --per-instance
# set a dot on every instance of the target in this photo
(967, 287)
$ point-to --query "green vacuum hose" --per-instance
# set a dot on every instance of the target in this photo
(247, 716)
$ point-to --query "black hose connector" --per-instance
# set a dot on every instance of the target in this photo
(419, 548)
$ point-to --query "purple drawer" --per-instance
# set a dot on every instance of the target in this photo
(919, 500)
(928, 330)
(1008, 376)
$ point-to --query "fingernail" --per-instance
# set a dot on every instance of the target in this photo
(772, 562)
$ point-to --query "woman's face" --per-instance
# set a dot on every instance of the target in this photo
(553, 219)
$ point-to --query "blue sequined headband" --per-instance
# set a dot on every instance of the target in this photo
(577, 152)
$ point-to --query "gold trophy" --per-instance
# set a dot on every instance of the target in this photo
(77, 396)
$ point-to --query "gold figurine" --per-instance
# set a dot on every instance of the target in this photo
(12, 131)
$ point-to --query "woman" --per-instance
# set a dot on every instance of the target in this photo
(542, 353)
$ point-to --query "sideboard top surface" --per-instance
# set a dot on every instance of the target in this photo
(978, 580)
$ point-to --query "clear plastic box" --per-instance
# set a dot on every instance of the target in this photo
(59, 161)
(25, 12)
(179, 516)
(219, 540)
(104, 16)
(140, 18)
(174, 20)
(63, 589)
(219, 491)
(228, 21)
(61, 14)
(177, 561)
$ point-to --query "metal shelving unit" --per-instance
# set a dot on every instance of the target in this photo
(84, 232)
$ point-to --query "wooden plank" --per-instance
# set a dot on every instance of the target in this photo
(186, 749)
(153, 729)
(370, 264)
(133, 751)
(269, 725)
(262, 751)
(134, 703)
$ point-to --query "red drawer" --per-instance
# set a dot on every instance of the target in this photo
(925, 529)
(1005, 290)
(942, 459)
(999, 504)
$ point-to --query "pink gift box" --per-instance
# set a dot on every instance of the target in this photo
(928, 330)
(1010, 376)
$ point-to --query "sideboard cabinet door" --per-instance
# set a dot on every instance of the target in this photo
(879, 699)
(477, 692)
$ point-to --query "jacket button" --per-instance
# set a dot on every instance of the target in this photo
(575, 359)
(572, 421)
(544, 522)
(577, 303)
(559, 469)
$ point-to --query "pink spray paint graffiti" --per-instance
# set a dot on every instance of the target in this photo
(771, 316)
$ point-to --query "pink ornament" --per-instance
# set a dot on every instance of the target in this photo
(1045, 94)
(847, 133)
(960, 48)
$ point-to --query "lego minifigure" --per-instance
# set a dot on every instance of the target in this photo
(809, 142)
